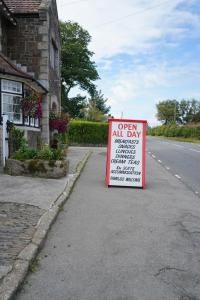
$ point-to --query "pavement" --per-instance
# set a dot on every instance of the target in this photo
(121, 243)
(28, 207)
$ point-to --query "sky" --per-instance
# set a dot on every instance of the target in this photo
(145, 51)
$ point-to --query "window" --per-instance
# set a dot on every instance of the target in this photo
(32, 121)
(11, 86)
(54, 56)
(11, 107)
(11, 96)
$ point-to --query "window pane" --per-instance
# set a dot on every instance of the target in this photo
(11, 86)
(11, 107)
(32, 121)
(26, 120)
(36, 122)
(17, 118)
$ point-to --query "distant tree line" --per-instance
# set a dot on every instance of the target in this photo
(179, 112)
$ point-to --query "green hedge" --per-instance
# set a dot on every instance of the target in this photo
(176, 131)
(84, 132)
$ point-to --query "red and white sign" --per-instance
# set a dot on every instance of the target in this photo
(126, 153)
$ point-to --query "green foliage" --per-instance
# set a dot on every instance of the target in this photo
(77, 67)
(183, 112)
(74, 106)
(92, 113)
(176, 131)
(97, 98)
(16, 139)
(167, 111)
(62, 138)
(25, 153)
(84, 132)
(45, 153)
(57, 154)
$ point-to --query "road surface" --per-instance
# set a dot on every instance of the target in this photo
(179, 158)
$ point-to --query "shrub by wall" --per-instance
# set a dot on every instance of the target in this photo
(85, 132)
(176, 131)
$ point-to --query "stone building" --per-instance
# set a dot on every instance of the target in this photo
(29, 64)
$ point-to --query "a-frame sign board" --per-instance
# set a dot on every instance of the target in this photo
(126, 162)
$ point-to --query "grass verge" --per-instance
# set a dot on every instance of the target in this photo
(181, 139)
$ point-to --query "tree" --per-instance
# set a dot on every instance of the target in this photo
(184, 109)
(77, 67)
(74, 106)
(193, 110)
(183, 112)
(189, 111)
(168, 111)
(196, 117)
(92, 113)
(98, 99)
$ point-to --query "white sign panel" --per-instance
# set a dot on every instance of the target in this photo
(126, 153)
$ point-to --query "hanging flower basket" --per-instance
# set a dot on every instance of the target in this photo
(31, 106)
(58, 122)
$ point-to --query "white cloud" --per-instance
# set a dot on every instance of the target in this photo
(149, 27)
(146, 22)
(136, 92)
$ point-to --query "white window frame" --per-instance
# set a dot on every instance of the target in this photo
(32, 122)
(36, 122)
(26, 121)
(11, 91)
(15, 90)
(11, 113)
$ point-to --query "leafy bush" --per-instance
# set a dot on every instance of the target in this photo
(16, 140)
(25, 153)
(45, 153)
(176, 131)
(85, 132)
(57, 154)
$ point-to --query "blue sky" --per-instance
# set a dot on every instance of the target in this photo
(145, 51)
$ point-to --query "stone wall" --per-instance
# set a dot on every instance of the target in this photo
(3, 35)
(38, 168)
(54, 73)
(1, 145)
(34, 139)
(29, 44)
(23, 42)
(0, 33)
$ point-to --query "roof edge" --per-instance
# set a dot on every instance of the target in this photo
(7, 13)
(20, 73)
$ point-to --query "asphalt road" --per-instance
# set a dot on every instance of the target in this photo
(179, 158)
(121, 243)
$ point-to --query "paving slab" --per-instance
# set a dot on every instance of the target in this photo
(38, 191)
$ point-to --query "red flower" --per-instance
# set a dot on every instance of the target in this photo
(58, 124)
(32, 106)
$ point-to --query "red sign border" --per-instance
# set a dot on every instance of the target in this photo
(143, 150)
